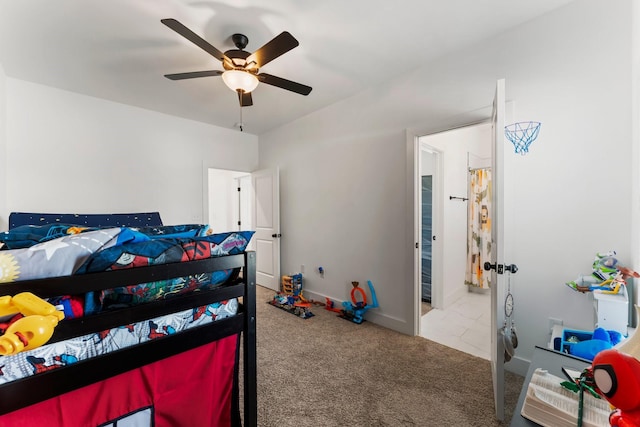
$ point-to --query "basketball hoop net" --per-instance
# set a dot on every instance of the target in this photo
(522, 134)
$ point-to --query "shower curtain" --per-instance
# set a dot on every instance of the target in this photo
(478, 228)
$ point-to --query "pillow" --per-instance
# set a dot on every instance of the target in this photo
(57, 257)
(89, 220)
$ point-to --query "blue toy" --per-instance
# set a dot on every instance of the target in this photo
(356, 309)
(601, 340)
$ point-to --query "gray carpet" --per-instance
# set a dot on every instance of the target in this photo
(326, 371)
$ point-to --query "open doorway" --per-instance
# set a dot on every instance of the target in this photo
(228, 200)
(460, 315)
(236, 200)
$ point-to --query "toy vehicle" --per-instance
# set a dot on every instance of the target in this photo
(356, 309)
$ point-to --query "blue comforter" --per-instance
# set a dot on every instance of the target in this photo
(58, 250)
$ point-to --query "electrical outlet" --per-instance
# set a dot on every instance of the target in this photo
(301, 268)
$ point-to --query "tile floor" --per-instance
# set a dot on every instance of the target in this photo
(464, 325)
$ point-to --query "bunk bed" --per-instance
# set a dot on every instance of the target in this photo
(170, 378)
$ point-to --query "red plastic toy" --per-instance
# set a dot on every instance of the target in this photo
(617, 376)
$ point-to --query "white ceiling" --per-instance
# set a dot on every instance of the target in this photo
(118, 49)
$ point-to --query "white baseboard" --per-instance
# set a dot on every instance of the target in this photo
(518, 365)
(373, 315)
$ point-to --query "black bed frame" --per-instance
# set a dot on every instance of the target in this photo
(33, 389)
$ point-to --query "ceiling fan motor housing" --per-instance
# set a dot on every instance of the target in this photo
(238, 59)
(237, 56)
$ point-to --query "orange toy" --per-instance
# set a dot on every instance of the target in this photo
(354, 300)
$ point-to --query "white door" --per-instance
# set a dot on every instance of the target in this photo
(266, 222)
(497, 254)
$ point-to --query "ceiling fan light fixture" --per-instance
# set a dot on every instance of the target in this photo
(240, 80)
(242, 66)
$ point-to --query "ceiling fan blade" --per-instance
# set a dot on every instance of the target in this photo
(279, 45)
(284, 84)
(193, 38)
(245, 99)
(193, 75)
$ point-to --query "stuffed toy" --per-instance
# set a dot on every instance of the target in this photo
(617, 378)
(601, 340)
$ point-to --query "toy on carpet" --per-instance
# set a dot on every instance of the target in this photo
(290, 299)
(607, 275)
(617, 378)
(356, 309)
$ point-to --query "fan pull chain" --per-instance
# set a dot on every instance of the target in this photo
(240, 124)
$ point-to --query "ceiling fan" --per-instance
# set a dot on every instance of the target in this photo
(241, 67)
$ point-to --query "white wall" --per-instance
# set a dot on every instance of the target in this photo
(458, 148)
(427, 163)
(343, 187)
(578, 84)
(79, 154)
(3, 151)
(635, 157)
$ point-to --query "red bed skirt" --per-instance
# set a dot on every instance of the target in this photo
(190, 389)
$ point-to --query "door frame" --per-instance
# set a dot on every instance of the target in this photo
(437, 212)
(414, 197)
